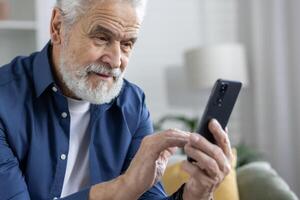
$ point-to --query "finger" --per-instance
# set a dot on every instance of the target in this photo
(168, 153)
(173, 138)
(172, 150)
(213, 151)
(198, 175)
(221, 137)
(162, 141)
(226, 129)
(203, 161)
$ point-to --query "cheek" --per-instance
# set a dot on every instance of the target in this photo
(124, 63)
(85, 56)
(92, 54)
(83, 53)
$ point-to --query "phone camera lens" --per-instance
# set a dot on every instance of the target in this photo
(224, 87)
(219, 102)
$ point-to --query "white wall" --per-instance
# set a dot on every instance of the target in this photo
(43, 22)
(169, 28)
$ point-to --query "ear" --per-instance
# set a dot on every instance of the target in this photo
(56, 26)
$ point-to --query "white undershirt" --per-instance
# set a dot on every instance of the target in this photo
(77, 172)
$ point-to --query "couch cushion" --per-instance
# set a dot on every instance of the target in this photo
(259, 181)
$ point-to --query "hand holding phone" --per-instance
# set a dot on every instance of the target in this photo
(220, 105)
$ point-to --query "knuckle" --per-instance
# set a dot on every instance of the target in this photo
(227, 169)
(216, 180)
(200, 141)
(219, 180)
(213, 166)
(217, 151)
(186, 148)
(169, 132)
(225, 139)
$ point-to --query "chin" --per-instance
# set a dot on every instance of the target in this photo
(100, 93)
(94, 85)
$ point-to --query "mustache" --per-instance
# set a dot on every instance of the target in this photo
(101, 69)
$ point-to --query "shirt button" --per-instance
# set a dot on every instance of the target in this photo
(54, 89)
(63, 156)
(55, 198)
(64, 115)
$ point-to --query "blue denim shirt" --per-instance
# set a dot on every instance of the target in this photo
(34, 134)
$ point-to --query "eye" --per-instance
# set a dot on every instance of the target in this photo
(103, 38)
(100, 40)
(127, 46)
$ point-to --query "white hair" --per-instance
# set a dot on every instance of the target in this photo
(73, 9)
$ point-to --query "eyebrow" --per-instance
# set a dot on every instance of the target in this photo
(102, 30)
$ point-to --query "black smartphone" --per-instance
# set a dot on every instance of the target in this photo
(219, 106)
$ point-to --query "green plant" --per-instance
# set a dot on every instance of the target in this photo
(246, 155)
(189, 123)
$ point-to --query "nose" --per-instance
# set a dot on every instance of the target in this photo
(112, 55)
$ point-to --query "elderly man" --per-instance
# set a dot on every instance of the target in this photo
(72, 127)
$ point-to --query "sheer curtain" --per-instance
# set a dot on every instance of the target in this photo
(270, 30)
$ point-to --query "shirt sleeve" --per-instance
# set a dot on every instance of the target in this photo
(12, 183)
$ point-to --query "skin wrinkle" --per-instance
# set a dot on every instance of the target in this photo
(119, 18)
(114, 23)
(114, 20)
(99, 31)
(119, 31)
(84, 49)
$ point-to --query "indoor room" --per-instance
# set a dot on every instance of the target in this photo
(181, 50)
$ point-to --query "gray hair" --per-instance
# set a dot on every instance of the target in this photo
(73, 9)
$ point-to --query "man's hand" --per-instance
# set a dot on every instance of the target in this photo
(211, 166)
(151, 159)
(146, 168)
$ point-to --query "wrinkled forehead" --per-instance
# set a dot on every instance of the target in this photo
(139, 6)
(118, 18)
(119, 10)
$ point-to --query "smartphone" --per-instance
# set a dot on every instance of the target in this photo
(219, 106)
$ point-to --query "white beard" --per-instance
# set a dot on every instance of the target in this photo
(77, 82)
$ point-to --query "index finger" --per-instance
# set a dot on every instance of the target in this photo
(168, 139)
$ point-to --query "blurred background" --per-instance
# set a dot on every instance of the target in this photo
(254, 41)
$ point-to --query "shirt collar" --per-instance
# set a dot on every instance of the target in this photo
(42, 74)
